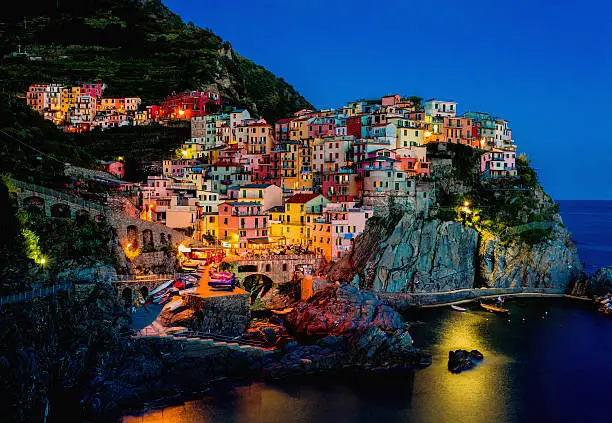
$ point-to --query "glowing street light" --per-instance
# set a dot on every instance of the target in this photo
(181, 112)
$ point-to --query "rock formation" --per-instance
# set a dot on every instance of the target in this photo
(420, 255)
(552, 263)
(601, 282)
(359, 332)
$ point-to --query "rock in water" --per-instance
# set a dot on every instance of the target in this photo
(461, 360)
(477, 355)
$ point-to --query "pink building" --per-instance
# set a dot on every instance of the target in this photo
(241, 222)
(94, 90)
(498, 163)
(321, 128)
(390, 100)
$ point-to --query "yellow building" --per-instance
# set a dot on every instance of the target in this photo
(298, 129)
(298, 217)
(209, 225)
(290, 169)
(304, 175)
(410, 137)
(68, 98)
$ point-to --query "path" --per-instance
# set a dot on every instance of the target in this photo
(35, 293)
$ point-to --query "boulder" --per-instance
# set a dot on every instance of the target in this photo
(461, 360)
(182, 316)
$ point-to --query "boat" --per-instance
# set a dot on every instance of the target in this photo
(174, 305)
(457, 308)
(161, 287)
(222, 283)
(494, 309)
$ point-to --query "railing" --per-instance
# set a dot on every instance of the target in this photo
(148, 278)
(35, 293)
(183, 186)
(528, 227)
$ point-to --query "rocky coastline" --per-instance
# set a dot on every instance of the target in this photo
(341, 329)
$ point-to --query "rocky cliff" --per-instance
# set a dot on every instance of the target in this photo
(434, 256)
(550, 263)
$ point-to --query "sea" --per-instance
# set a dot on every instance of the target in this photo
(548, 361)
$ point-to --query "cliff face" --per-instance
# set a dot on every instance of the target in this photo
(434, 256)
(424, 256)
(552, 263)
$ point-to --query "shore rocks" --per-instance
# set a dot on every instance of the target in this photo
(461, 360)
(359, 332)
(601, 282)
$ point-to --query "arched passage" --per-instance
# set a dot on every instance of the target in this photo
(144, 291)
(147, 239)
(257, 285)
(132, 237)
(60, 210)
(126, 297)
(34, 205)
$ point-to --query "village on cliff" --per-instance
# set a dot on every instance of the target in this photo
(308, 182)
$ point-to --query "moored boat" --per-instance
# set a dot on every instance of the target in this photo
(494, 309)
(457, 308)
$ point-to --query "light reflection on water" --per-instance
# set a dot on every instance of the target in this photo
(548, 367)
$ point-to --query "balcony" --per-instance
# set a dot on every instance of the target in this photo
(249, 213)
(329, 160)
(182, 186)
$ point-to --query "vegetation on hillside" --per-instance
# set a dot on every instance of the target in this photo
(33, 149)
(491, 205)
(138, 48)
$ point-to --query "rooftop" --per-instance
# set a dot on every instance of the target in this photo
(301, 198)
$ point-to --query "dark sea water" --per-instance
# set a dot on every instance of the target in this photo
(591, 225)
(550, 361)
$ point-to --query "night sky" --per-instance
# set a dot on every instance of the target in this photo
(546, 66)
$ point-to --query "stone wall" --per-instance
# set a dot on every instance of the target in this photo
(309, 285)
(222, 315)
(156, 262)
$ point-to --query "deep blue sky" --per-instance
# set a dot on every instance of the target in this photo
(546, 66)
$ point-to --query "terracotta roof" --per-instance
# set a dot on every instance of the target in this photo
(301, 198)
(285, 120)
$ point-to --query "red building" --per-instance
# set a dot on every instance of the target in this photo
(281, 129)
(353, 126)
(185, 105)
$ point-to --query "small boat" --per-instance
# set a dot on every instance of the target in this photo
(457, 308)
(174, 305)
(161, 287)
(494, 309)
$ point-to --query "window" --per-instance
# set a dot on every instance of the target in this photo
(225, 222)
(284, 267)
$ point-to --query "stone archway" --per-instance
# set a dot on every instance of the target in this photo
(34, 205)
(147, 239)
(144, 291)
(127, 297)
(60, 210)
(132, 237)
(257, 285)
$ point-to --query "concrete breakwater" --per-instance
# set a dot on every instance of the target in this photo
(403, 300)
